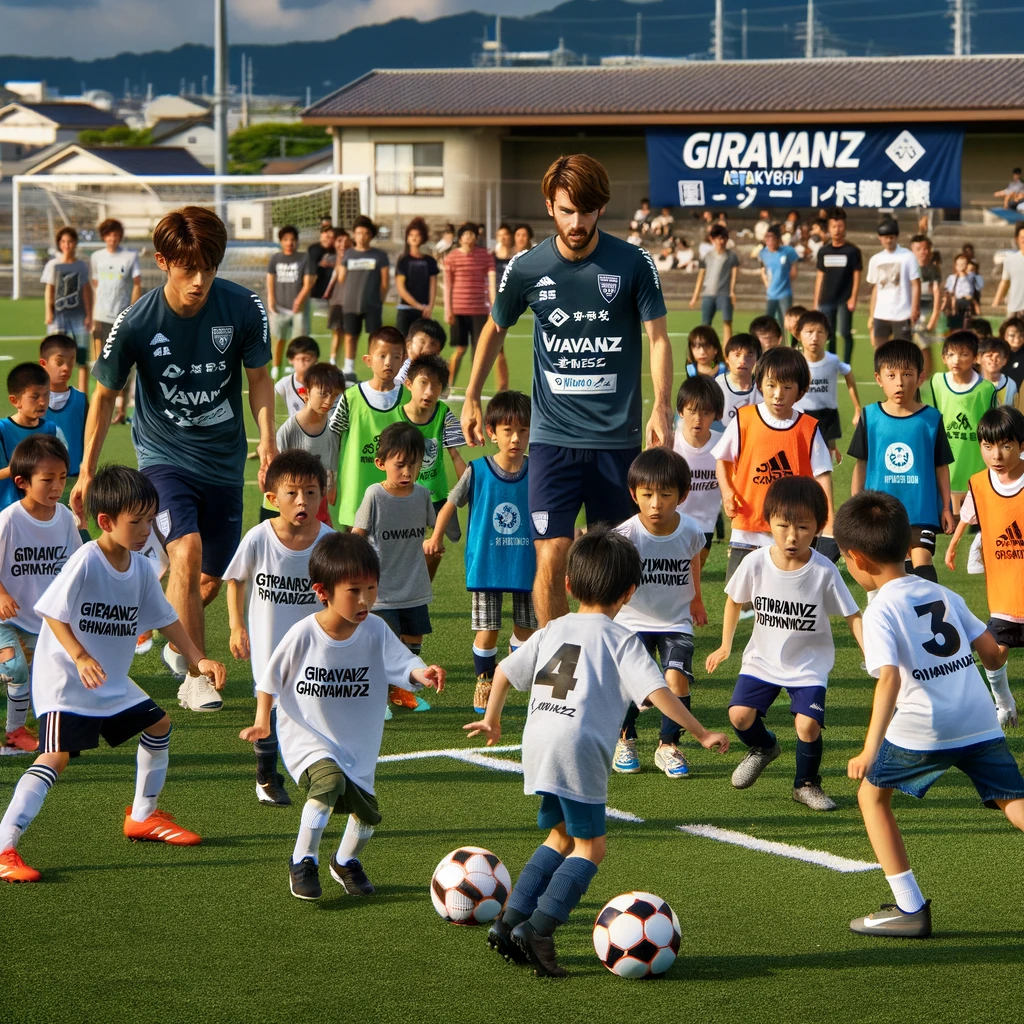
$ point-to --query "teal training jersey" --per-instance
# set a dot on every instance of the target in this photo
(587, 339)
(190, 376)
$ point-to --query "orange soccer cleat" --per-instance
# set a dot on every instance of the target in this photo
(159, 827)
(22, 739)
(401, 698)
(14, 869)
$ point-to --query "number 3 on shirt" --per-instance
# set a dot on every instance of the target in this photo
(560, 671)
(949, 643)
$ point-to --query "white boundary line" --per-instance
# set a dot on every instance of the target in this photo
(483, 758)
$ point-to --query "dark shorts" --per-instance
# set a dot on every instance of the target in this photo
(751, 692)
(923, 537)
(335, 318)
(66, 732)
(189, 506)
(323, 776)
(891, 330)
(828, 423)
(582, 821)
(405, 318)
(673, 650)
(100, 331)
(467, 328)
(407, 621)
(353, 323)
(1007, 633)
(989, 765)
(454, 531)
(709, 539)
(564, 479)
(711, 304)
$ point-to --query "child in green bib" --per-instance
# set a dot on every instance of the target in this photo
(362, 412)
(963, 396)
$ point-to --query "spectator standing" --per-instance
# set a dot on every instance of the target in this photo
(716, 282)
(523, 237)
(362, 276)
(319, 271)
(470, 284)
(778, 270)
(837, 282)
(415, 278)
(1011, 286)
(504, 249)
(930, 270)
(286, 275)
(896, 295)
(68, 297)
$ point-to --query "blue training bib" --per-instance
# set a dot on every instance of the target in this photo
(499, 551)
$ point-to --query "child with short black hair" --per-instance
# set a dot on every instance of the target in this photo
(425, 337)
(92, 613)
(794, 590)
(1011, 330)
(68, 298)
(28, 386)
(328, 680)
(704, 352)
(499, 553)
(68, 407)
(668, 603)
(993, 355)
(791, 321)
(767, 331)
(582, 669)
(268, 582)
(742, 352)
(963, 396)
(302, 353)
(931, 709)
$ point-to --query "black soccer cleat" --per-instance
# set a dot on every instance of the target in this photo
(894, 923)
(351, 877)
(304, 879)
(539, 950)
(270, 790)
(499, 937)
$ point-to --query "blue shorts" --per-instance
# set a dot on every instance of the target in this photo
(564, 479)
(751, 692)
(188, 505)
(711, 304)
(674, 651)
(989, 765)
(582, 821)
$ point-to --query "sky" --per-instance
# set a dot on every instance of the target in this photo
(100, 28)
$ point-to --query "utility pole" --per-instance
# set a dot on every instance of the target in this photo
(957, 14)
(743, 33)
(719, 30)
(809, 46)
(639, 38)
(220, 87)
(497, 40)
(245, 93)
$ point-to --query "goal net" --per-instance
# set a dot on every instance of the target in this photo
(253, 207)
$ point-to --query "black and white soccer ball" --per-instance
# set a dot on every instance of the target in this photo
(470, 886)
(637, 935)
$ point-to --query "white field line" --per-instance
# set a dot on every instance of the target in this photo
(482, 757)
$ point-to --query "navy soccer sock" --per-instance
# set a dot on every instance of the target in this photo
(484, 662)
(564, 891)
(670, 730)
(530, 885)
(629, 722)
(808, 762)
(757, 735)
(926, 572)
(266, 750)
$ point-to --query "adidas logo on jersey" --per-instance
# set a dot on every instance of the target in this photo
(1010, 543)
(545, 282)
(773, 469)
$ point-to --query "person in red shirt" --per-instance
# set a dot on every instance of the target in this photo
(470, 282)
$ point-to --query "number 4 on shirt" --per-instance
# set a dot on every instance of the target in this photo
(560, 671)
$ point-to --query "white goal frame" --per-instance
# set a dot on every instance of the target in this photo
(218, 181)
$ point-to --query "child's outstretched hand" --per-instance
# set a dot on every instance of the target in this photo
(715, 658)
(432, 676)
(698, 612)
(239, 643)
(8, 607)
(950, 558)
(715, 741)
(254, 733)
(484, 728)
(214, 671)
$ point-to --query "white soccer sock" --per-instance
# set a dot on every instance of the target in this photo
(349, 367)
(357, 835)
(18, 701)
(150, 773)
(315, 816)
(906, 892)
(26, 803)
(514, 643)
(998, 683)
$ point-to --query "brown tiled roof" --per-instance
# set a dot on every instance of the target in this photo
(846, 89)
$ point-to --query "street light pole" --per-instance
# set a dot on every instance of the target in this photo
(220, 97)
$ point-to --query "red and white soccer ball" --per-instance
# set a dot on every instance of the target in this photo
(470, 886)
(637, 935)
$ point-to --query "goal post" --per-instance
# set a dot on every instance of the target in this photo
(253, 208)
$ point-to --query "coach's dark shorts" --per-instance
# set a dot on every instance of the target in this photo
(353, 323)
(564, 479)
(67, 732)
(188, 505)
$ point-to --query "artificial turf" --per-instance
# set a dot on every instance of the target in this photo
(134, 932)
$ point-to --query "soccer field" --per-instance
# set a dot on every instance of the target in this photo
(124, 932)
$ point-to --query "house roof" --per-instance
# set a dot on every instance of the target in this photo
(165, 127)
(298, 164)
(131, 160)
(855, 89)
(70, 115)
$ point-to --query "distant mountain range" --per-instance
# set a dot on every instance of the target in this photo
(594, 28)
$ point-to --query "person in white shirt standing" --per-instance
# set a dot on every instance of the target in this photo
(932, 710)
(895, 276)
(117, 283)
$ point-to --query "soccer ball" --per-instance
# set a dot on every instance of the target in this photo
(470, 886)
(637, 935)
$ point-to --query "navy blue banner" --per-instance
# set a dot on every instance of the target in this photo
(872, 168)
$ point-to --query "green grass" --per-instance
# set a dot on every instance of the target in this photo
(127, 932)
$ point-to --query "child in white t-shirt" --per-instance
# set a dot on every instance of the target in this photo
(92, 614)
(302, 353)
(582, 670)
(268, 584)
(329, 678)
(794, 590)
(37, 536)
(742, 352)
(932, 710)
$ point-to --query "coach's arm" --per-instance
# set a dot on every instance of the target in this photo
(659, 426)
(101, 409)
(492, 337)
(261, 402)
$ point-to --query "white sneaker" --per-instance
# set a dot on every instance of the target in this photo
(175, 661)
(975, 560)
(274, 372)
(197, 693)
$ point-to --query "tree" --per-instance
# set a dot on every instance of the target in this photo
(250, 148)
(118, 135)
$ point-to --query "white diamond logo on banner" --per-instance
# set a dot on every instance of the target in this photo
(904, 151)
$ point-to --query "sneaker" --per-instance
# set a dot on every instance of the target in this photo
(539, 950)
(145, 642)
(812, 795)
(350, 378)
(747, 613)
(270, 790)
(482, 693)
(671, 761)
(22, 739)
(893, 922)
(402, 698)
(351, 877)
(14, 869)
(159, 827)
(421, 704)
(749, 769)
(499, 937)
(275, 372)
(197, 693)
(176, 662)
(304, 879)
(626, 761)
